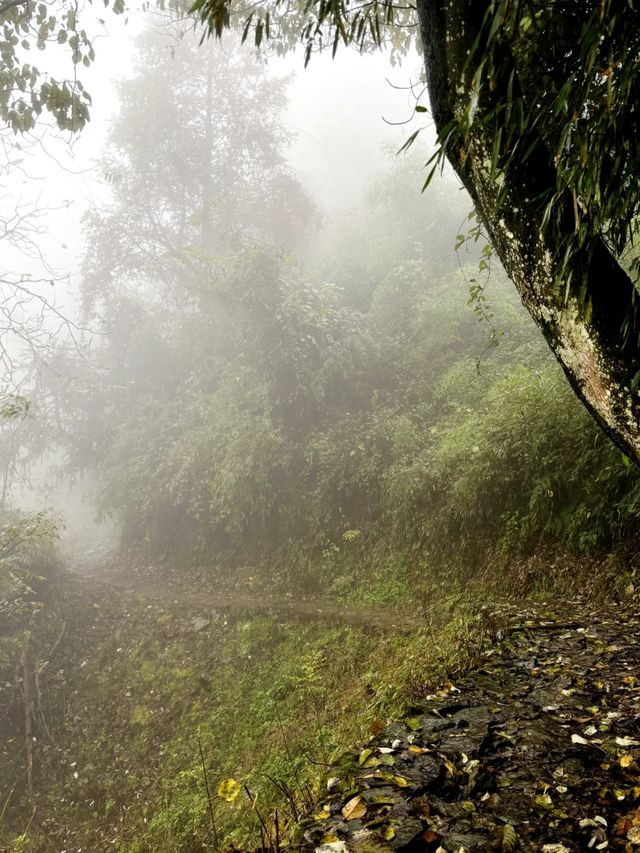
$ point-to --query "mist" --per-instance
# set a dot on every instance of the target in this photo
(61, 181)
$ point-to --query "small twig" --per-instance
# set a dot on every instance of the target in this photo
(264, 828)
(288, 794)
(38, 702)
(6, 804)
(288, 752)
(314, 760)
(54, 648)
(209, 799)
(277, 831)
(27, 715)
(38, 670)
(550, 626)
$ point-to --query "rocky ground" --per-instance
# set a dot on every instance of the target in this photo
(537, 749)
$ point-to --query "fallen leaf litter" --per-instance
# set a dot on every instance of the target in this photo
(537, 749)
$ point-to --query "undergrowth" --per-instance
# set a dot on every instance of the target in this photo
(164, 707)
(193, 730)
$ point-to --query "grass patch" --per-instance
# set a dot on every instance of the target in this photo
(272, 704)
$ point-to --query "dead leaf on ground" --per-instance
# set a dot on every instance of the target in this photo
(355, 808)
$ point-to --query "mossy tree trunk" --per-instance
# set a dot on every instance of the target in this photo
(592, 338)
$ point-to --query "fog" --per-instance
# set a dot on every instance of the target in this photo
(342, 120)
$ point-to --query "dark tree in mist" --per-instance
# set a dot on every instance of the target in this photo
(197, 167)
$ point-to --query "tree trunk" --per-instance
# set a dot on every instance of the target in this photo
(599, 357)
(206, 233)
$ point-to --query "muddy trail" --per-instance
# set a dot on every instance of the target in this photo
(170, 592)
(536, 748)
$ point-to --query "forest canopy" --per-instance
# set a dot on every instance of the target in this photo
(271, 391)
(536, 107)
(270, 388)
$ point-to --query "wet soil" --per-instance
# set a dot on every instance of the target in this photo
(535, 748)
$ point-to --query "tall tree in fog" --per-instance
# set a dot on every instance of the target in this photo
(186, 272)
(196, 162)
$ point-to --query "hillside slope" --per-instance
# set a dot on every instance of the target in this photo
(514, 729)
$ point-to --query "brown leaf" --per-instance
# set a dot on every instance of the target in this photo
(430, 836)
(622, 827)
(420, 806)
(376, 726)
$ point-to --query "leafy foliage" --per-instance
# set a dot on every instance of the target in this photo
(316, 25)
(524, 466)
(582, 103)
(27, 553)
(556, 77)
(310, 418)
(28, 92)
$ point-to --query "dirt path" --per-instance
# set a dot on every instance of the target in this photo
(204, 600)
(536, 749)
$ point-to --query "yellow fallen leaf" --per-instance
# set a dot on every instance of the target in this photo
(543, 801)
(364, 755)
(626, 760)
(228, 790)
(400, 781)
(388, 833)
(509, 840)
(451, 767)
(323, 814)
(354, 808)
